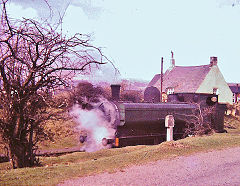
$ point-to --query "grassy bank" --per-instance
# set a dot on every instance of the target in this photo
(57, 169)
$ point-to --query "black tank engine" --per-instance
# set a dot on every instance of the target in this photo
(144, 123)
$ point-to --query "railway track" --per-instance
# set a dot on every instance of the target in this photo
(47, 153)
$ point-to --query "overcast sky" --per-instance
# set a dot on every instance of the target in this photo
(135, 34)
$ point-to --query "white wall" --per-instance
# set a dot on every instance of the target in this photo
(215, 79)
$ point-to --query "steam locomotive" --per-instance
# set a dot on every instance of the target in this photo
(144, 123)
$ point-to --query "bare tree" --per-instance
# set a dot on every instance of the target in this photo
(199, 121)
(34, 60)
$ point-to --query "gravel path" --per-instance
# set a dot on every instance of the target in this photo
(212, 168)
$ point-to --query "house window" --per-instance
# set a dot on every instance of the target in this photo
(216, 91)
(170, 91)
(234, 98)
(238, 98)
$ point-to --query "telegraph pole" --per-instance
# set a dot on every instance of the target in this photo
(161, 79)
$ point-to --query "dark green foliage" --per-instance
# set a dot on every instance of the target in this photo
(85, 94)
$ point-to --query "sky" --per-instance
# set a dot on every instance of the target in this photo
(135, 34)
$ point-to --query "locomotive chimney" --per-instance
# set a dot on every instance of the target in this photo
(213, 61)
(115, 92)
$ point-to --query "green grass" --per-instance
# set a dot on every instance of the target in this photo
(66, 142)
(57, 169)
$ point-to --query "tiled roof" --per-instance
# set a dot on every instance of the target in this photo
(182, 78)
(235, 87)
(154, 80)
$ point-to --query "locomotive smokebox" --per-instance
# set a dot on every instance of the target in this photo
(115, 92)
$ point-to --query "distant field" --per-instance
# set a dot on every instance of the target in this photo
(57, 169)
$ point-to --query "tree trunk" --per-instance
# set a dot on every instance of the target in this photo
(19, 154)
(30, 147)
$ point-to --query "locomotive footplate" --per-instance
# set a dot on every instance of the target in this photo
(135, 140)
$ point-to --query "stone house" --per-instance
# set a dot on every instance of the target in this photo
(194, 79)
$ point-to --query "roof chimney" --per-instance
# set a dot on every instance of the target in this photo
(172, 62)
(213, 61)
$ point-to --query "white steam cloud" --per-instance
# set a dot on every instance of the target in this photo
(106, 73)
(98, 123)
(46, 8)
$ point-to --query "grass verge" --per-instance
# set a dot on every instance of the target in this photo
(57, 169)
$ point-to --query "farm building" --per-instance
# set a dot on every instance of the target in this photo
(194, 79)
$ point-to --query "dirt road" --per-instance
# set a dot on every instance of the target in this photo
(212, 168)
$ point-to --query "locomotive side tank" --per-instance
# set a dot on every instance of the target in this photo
(143, 123)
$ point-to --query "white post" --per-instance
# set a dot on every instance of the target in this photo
(169, 123)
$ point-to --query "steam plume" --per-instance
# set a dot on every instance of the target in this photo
(99, 123)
